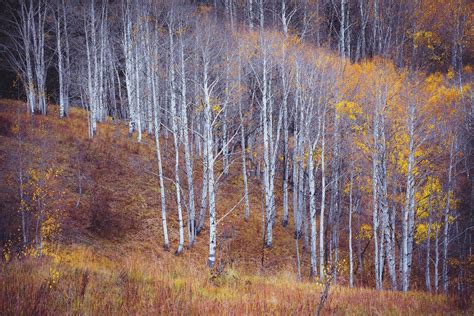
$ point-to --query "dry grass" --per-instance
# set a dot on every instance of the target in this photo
(77, 281)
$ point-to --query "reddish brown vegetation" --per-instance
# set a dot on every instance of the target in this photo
(107, 256)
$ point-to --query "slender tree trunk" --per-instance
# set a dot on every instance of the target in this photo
(334, 198)
(297, 156)
(285, 88)
(67, 65)
(360, 262)
(445, 279)
(428, 242)
(91, 97)
(266, 153)
(210, 167)
(384, 206)
(306, 218)
(323, 202)
(59, 47)
(312, 202)
(351, 265)
(38, 36)
(243, 145)
(128, 54)
(175, 131)
(312, 208)
(158, 157)
(187, 151)
(205, 181)
(137, 69)
(342, 30)
(436, 261)
(25, 30)
(225, 142)
(162, 187)
(409, 205)
(251, 17)
(244, 164)
(375, 200)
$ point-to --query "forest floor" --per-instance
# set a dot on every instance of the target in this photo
(103, 239)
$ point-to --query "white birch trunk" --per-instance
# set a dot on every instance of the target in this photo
(209, 143)
(27, 16)
(187, 152)
(334, 199)
(297, 156)
(266, 151)
(323, 202)
(128, 54)
(175, 131)
(250, 9)
(38, 36)
(351, 264)
(286, 90)
(428, 243)
(436, 262)
(225, 142)
(409, 205)
(138, 97)
(205, 181)
(375, 214)
(384, 207)
(91, 97)
(312, 202)
(444, 272)
(244, 165)
(59, 47)
(166, 243)
(312, 208)
(342, 30)
(67, 67)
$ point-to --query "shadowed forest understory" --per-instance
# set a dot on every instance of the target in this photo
(245, 157)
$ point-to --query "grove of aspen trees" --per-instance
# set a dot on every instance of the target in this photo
(353, 117)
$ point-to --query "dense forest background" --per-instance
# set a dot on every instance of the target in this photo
(338, 132)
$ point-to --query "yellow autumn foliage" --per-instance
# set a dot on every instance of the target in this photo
(365, 231)
(348, 109)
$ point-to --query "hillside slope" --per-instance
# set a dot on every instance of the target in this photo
(109, 197)
(103, 250)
